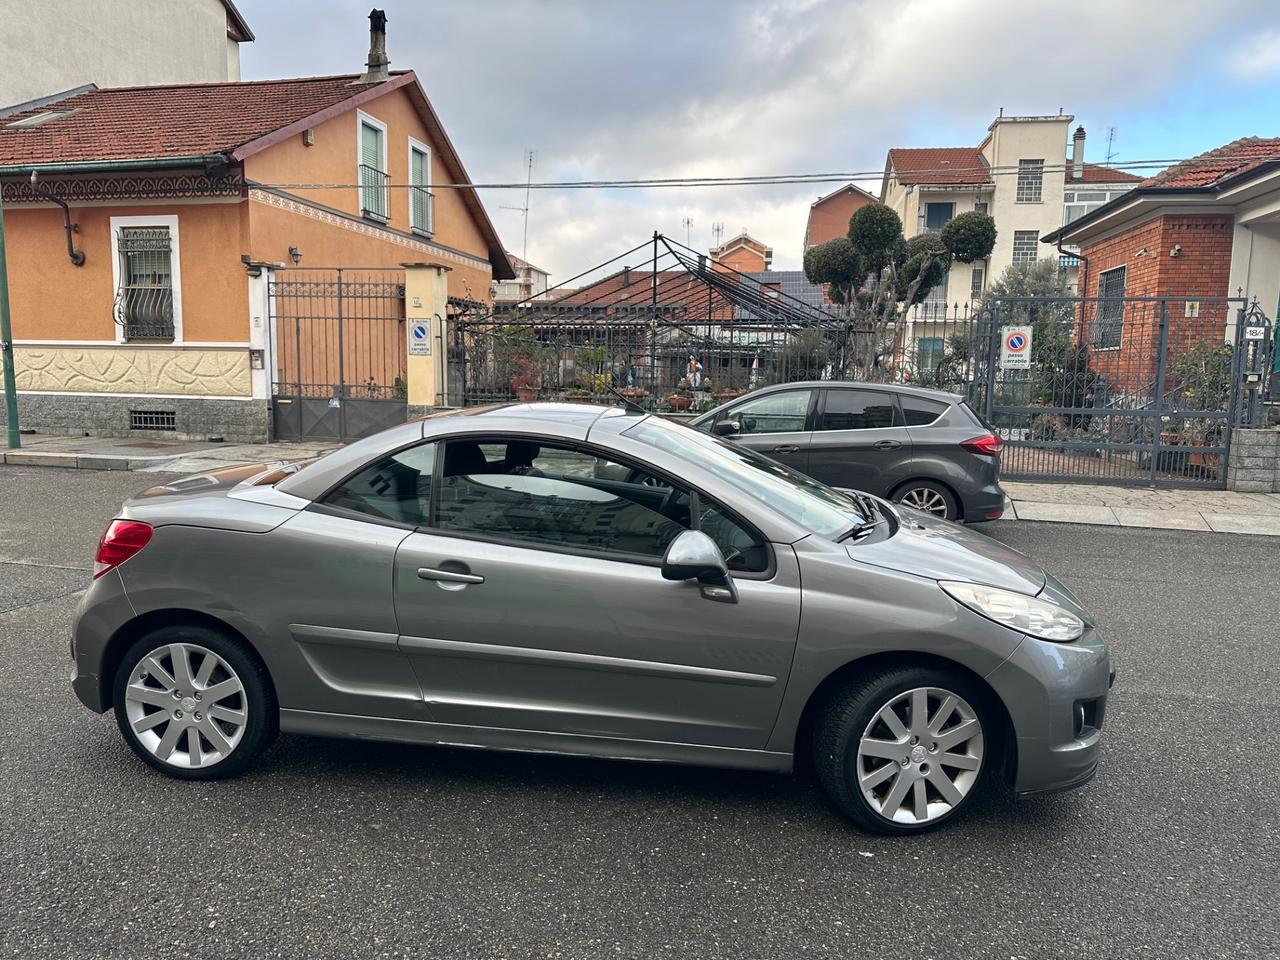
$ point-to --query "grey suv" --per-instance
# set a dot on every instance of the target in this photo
(923, 448)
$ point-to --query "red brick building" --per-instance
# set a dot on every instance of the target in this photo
(829, 215)
(1208, 227)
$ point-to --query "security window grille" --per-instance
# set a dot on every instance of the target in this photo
(980, 206)
(1110, 326)
(1030, 181)
(373, 179)
(420, 199)
(1025, 245)
(153, 420)
(144, 302)
(975, 291)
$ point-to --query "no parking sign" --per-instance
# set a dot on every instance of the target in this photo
(1015, 348)
(419, 338)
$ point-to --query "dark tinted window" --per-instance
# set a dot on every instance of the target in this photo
(917, 411)
(857, 410)
(395, 488)
(743, 550)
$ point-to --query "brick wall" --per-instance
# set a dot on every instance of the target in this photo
(1201, 268)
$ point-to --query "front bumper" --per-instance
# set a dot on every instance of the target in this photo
(1056, 697)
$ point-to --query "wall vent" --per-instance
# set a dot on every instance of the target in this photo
(153, 420)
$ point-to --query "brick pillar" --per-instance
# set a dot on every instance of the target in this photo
(1253, 465)
(426, 299)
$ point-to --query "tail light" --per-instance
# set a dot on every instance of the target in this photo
(989, 445)
(122, 539)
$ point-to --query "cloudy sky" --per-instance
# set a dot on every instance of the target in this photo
(606, 89)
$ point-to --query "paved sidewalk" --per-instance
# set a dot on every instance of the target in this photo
(179, 456)
(1209, 511)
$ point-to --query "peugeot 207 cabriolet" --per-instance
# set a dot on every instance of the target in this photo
(589, 580)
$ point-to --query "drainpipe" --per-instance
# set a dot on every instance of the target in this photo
(6, 347)
(74, 255)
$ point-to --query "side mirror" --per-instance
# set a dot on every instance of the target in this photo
(726, 428)
(694, 556)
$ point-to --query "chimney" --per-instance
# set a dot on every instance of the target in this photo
(377, 63)
(1077, 154)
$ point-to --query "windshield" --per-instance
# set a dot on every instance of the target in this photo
(811, 504)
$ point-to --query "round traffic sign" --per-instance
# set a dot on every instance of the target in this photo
(1016, 342)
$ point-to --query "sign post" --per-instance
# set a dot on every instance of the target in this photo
(6, 348)
(1015, 348)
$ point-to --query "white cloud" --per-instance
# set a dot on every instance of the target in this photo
(1258, 56)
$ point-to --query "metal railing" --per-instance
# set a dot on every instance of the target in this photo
(421, 210)
(145, 311)
(373, 192)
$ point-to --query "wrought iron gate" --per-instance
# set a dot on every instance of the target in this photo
(1121, 389)
(338, 348)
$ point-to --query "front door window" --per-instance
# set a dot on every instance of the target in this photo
(784, 412)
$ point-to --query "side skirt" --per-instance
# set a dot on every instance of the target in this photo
(527, 741)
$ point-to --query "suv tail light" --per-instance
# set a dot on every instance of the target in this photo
(989, 445)
(122, 539)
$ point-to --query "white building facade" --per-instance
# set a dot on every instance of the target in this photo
(58, 45)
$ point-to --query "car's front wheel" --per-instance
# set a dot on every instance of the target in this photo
(902, 750)
(192, 703)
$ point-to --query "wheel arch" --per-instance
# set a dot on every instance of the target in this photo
(936, 481)
(144, 623)
(1006, 738)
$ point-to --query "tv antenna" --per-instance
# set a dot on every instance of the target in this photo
(717, 232)
(1111, 142)
(687, 223)
(529, 156)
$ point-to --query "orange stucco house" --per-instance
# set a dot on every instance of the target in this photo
(246, 260)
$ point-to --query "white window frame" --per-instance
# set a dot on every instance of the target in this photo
(422, 148)
(169, 220)
(1034, 250)
(362, 119)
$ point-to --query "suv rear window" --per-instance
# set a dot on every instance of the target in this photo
(986, 425)
(918, 411)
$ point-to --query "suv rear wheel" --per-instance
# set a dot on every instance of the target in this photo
(929, 497)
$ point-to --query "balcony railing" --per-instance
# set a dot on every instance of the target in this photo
(373, 192)
(145, 311)
(422, 210)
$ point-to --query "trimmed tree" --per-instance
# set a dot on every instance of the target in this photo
(876, 274)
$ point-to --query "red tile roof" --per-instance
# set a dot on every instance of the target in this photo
(1214, 166)
(183, 120)
(1094, 173)
(964, 165)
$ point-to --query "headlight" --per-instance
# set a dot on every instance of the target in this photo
(1017, 611)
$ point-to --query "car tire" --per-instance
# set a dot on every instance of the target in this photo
(184, 678)
(854, 748)
(929, 497)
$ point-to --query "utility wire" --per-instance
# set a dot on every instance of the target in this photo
(772, 179)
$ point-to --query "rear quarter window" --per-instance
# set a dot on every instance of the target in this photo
(917, 411)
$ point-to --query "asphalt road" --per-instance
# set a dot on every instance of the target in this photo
(341, 850)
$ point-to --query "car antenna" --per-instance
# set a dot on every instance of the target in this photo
(628, 405)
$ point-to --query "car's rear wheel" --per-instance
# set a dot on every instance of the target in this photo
(903, 750)
(929, 497)
(192, 703)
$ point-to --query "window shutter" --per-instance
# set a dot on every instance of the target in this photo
(370, 146)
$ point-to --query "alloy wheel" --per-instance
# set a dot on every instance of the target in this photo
(920, 755)
(186, 706)
(926, 500)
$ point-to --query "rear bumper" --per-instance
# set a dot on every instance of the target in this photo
(103, 610)
(984, 503)
(1056, 697)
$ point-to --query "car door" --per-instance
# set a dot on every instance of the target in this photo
(859, 440)
(776, 424)
(536, 601)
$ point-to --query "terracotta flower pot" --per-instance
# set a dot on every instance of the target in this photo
(678, 401)
(527, 394)
(724, 396)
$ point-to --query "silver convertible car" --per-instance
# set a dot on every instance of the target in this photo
(595, 581)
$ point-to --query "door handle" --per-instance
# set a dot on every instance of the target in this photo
(448, 576)
(786, 448)
(887, 444)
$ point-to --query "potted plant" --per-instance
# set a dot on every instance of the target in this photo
(578, 395)
(526, 381)
(681, 399)
(633, 393)
(725, 394)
